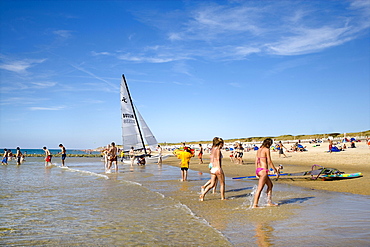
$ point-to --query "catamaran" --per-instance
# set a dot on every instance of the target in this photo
(135, 131)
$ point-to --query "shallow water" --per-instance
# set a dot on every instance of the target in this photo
(149, 206)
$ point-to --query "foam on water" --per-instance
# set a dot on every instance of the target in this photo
(262, 202)
(84, 172)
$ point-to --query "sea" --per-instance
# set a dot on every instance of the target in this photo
(53, 151)
(149, 206)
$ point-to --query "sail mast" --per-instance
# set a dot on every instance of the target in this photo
(136, 119)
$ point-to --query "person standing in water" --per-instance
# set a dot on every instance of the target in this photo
(47, 156)
(132, 155)
(263, 160)
(122, 154)
(216, 171)
(106, 157)
(19, 156)
(159, 149)
(112, 154)
(185, 157)
(5, 157)
(63, 152)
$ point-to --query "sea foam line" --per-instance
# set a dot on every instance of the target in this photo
(178, 204)
(191, 213)
(202, 220)
(85, 172)
(131, 182)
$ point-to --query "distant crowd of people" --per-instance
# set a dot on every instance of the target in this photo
(8, 156)
(262, 162)
(20, 157)
(341, 145)
(110, 155)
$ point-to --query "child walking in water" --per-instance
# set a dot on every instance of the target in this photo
(48, 156)
(216, 171)
(185, 157)
(263, 160)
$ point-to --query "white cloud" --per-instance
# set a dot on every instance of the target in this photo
(100, 53)
(65, 34)
(211, 22)
(237, 30)
(181, 83)
(56, 108)
(174, 36)
(290, 64)
(146, 59)
(245, 50)
(20, 66)
(310, 40)
(44, 84)
(181, 67)
(20, 101)
(235, 84)
(221, 19)
(361, 5)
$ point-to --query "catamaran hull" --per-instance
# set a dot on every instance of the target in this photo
(152, 159)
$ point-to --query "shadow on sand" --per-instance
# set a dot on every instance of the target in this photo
(237, 190)
(295, 200)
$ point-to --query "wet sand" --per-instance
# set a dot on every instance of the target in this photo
(349, 161)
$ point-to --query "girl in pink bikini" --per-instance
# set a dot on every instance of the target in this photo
(263, 159)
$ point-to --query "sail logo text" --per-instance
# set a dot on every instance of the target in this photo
(125, 115)
(130, 121)
(128, 118)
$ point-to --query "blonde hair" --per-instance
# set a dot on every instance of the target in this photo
(217, 141)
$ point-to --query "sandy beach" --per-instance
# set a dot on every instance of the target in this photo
(349, 161)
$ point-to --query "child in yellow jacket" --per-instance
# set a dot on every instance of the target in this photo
(185, 160)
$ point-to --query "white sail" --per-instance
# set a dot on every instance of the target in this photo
(147, 134)
(133, 132)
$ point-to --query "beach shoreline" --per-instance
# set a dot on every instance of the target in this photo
(351, 160)
(148, 204)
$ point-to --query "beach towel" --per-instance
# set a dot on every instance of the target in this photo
(335, 149)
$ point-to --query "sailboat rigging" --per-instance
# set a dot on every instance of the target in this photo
(135, 132)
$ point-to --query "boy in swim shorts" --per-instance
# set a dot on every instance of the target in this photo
(112, 154)
(5, 157)
(64, 153)
(47, 156)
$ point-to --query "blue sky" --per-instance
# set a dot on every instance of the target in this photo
(195, 69)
